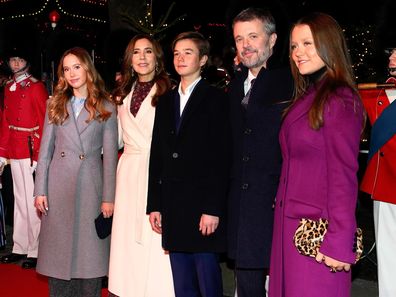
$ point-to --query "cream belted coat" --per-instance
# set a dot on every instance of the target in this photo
(138, 264)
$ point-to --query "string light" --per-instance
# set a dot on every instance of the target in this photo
(146, 24)
(62, 10)
(79, 16)
(361, 44)
(22, 15)
(96, 2)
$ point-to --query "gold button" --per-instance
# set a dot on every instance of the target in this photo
(62, 154)
(81, 157)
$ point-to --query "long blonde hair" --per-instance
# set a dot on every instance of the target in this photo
(97, 94)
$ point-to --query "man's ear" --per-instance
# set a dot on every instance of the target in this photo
(272, 40)
(203, 60)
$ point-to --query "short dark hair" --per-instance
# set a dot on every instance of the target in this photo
(253, 13)
(200, 41)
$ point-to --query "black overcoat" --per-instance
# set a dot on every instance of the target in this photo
(256, 164)
(189, 169)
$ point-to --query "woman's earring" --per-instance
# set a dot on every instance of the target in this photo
(132, 71)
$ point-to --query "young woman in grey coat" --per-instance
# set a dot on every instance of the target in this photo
(75, 178)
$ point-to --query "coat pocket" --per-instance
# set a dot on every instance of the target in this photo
(300, 209)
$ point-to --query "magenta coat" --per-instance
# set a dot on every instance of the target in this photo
(318, 179)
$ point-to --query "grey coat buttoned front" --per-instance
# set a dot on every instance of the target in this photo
(76, 180)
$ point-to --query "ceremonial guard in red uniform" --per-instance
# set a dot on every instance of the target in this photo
(380, 176)
(24, 110)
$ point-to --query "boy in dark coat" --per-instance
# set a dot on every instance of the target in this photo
(189, 171)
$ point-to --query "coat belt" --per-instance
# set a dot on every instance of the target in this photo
(12, 127)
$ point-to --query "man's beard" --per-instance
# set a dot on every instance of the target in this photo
(256, 61)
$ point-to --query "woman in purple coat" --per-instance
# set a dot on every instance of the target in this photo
(319, 138)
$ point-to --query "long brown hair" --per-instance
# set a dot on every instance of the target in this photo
(128, 77)
(97, 94)
(331, 47)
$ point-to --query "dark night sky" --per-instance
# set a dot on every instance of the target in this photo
(202, 12)
(345, 11)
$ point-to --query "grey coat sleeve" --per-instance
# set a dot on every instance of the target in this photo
(110, 156)
(47, 146)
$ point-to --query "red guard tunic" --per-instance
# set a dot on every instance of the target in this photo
(380, 176)
(21, 130)
(24, 112)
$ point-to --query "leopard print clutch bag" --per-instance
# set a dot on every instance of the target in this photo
(309, 235)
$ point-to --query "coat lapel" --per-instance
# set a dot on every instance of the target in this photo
(71, 125)
(144, 109)
(193, 103)
(300, 109)
(82, 121)
(146, 104)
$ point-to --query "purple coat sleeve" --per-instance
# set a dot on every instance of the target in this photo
(343, 121)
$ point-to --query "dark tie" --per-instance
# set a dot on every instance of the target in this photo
(245, 100)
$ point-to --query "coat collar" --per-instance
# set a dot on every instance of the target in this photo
(193, 102)
(301, 107)
(144, 107)
(77, 126)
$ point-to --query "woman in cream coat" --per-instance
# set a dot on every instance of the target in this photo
(139, 267)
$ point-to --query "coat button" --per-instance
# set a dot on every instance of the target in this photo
(245, 186)
(175, 155)
(172, 132)
(248, 131)
(82, 157)
(23, 95)
(380, 103)
(63, 154)
(382, 154)
(245, 158)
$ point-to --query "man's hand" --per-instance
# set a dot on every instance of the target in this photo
(155, 221)
(33, 167)
(208, 224)
(2, 165)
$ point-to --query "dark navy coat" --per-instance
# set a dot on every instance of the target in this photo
(256, 164)
(189, 168)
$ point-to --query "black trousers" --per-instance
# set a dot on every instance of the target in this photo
(76, 287)
(251, 282)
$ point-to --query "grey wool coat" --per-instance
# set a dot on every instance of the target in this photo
(71, 173)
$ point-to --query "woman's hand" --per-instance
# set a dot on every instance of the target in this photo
(107, 209)
(41, 204)
(334, 264)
